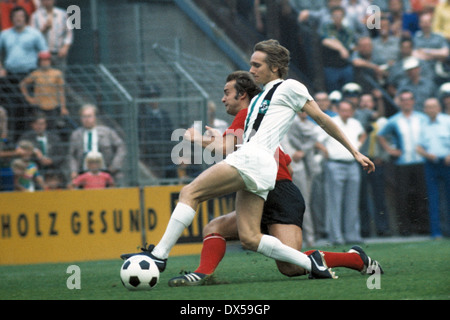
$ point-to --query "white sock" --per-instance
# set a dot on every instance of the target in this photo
(273, 248)
(181, 218)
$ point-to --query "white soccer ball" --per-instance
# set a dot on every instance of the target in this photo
(139, 273)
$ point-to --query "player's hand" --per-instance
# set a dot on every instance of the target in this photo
(365, 162)
(211, 132)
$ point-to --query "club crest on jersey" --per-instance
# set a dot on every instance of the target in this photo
(264, 107)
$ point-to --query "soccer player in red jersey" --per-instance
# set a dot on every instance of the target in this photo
(284, 207)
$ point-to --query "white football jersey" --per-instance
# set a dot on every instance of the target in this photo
(288, 99)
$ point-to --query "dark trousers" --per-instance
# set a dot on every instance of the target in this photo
(411, 199)
(437, 176)
(19, 111)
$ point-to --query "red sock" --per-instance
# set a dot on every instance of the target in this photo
(214, 246)
(341, 259)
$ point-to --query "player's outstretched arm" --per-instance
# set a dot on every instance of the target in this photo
(325, 122)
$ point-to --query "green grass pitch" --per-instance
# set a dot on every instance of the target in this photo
(413, 270)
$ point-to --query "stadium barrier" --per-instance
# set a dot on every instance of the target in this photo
(86, 225)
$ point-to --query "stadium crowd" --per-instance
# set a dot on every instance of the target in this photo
(390, 64)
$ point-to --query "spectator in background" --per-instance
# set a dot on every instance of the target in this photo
(424, 6)
(372, 195)
(338, 42)
(6, 6)
(367, 64)
(52, 152)
(441, 22)
(342, 179)
(92, 136)
(429, 46)
(51, 21)
(403, 21)
(94, 178)
(423, 88)
(27, 176)
(399, 138)
(300, 144)
(155, 134)
(444, 97)
(21, 45)
(386, 47)
(49, 95)
(397, 72)
(434, 146)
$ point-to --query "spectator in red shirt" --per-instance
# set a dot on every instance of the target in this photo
(94, 178)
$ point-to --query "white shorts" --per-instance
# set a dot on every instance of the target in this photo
(257, 167)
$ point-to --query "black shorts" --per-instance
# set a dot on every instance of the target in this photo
(284, 205)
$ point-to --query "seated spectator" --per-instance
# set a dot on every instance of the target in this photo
(48, 84)
(423, 88)
(356, 15)
(429, 46)
(396, 72)
(386, 47)
(51, 21)
(403, 21)
(94, 137)
(94, 178)
(338, 42)
(367, 64)
(26, 172)
(51, 157)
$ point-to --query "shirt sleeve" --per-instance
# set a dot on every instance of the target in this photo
(293, 94)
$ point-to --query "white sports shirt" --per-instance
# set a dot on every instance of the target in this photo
(288, 99)
(255, 159)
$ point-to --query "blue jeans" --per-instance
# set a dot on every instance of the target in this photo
(435, 174)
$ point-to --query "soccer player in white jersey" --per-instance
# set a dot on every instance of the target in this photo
(251, 170)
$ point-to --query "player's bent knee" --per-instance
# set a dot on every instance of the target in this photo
(249, 243)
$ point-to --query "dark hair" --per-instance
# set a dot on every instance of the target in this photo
(244, 83)
(277, 56)
(17, 9)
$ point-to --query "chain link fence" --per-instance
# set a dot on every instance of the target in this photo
(144, 103)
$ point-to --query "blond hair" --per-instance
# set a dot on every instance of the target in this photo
(94, 156)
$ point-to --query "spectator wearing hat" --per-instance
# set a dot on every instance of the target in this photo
(423, 88)
(397, 72)
(444, 97)
(49, 94)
